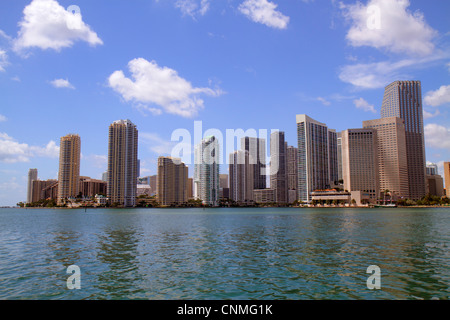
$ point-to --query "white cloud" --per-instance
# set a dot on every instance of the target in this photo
(48, 25)
(193, 7)
(379, 74)
(156, 143)
(97, 160)
(12, 151)
(448, 66)
(161, 86)
(437, 136)
(399, 29)
(62, 83)
(324, 101)
(438, 97)
(364, 105)
(429, 115)
(3, 118)
(264, 11)
(3, 60)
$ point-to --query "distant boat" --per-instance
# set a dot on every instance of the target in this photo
(390, 205)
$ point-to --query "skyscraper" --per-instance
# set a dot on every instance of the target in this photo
(172, 184)
(292, 173)
(392, 160)
(403, 99)
(69, 167)
(241, 177)
(339, 157)
(122, 163)
(360, 161)
(313, 156)
(206, 171)
(278, 166)
(256, 148)
(333, 166)
(32, 175)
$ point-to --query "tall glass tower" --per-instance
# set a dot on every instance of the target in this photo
(206, 171)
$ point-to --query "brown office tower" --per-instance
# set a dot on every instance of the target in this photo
(172, 182)
(403, 99)
(392, 160)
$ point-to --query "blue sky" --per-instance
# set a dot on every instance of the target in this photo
(228, 63)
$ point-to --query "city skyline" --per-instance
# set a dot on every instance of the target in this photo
(236, 73)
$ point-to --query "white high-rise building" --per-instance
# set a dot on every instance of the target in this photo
(32, 175)
(206, 171)
(313, 156)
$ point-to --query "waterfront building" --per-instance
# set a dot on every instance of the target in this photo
(360, 161)
(447, 178)
(69, 168)
(313, 156)
(435, 185)
(333, 165)
(89, 187)
(190, 188)
(241, 177)
(292, 173)
(339, 157)
(278, 166)
(122, 163)
(32, 175)
(256, 147)
(206, 171)
(403, 99)
(392, 159)
(172, 183)
(38, 187)
(432, 169)
(264, 196)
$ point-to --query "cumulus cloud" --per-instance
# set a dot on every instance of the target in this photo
(438, 97)
(429, 115)
(437, 136)
(48, 25)
(3, 118)
(160, 86)
(12, 151)
(156, 143)
(398, 30)
(364, 105)
(264, 11)
(62, 83)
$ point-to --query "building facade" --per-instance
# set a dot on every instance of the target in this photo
(392, 158)
(360, 161)
(241, 177)
(313, 157)
(32, 175)
(69, 168)
(206, 171)
(292, 173)
(172, 182)
(278, 166)
(122, 163)
(403, 99)
(256, 147)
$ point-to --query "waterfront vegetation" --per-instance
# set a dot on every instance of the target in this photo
(145, 201)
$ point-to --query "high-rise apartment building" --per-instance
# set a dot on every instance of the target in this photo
(32, 175)
(313, 156)
(122, 163)
(172, 183)
(206, 171)
(447, 178)
(292, 173)
(392, 159)
(403, 99)
(256, 147)
(333, 165)
(278, 166)
(241, 177)
(69, 167)
(360, 161)
(432, 169)
(339, 156)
